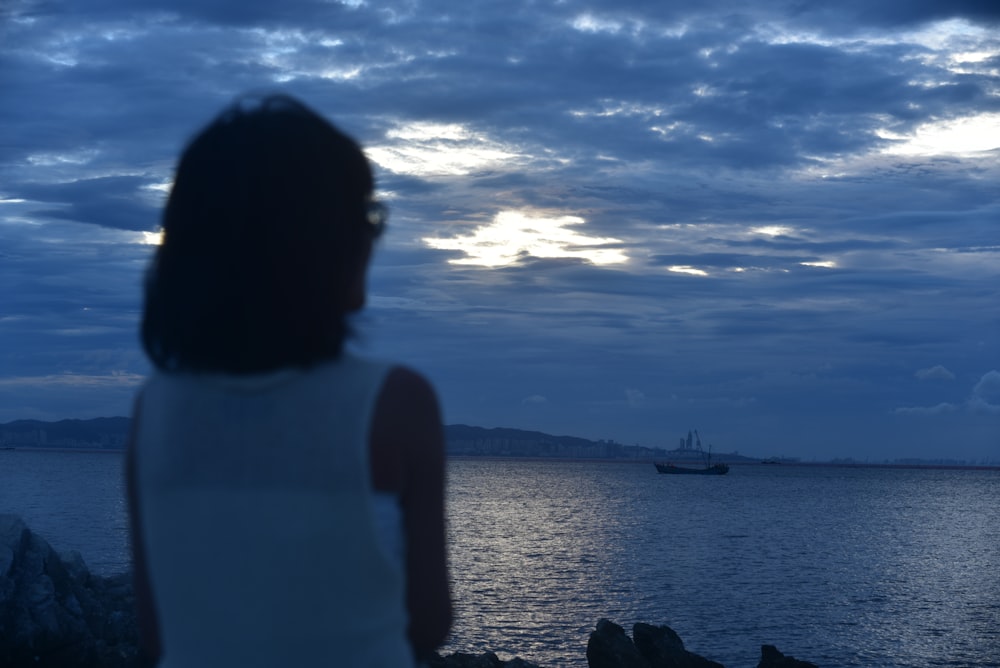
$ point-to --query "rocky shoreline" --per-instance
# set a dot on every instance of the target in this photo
(55, 613)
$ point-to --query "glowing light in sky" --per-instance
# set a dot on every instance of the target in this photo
(151, 238)
(772, 230)
(439, 149)
(162, 187)
(590, 23)
(685, 269)
(513, 235)
(962, 136)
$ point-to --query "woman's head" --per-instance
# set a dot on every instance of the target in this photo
(267, 234)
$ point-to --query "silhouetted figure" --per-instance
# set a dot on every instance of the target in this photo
(286, 497)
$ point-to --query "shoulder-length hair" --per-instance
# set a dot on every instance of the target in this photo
(265, 230)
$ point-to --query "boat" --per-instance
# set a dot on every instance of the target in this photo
(711, 469)
(686, 445)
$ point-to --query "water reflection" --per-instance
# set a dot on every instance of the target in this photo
(524, 549)
(844, 567)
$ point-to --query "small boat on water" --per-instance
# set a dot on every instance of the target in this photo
(708, 469)
(712, 469)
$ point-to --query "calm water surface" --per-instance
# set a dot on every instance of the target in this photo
(75, 500)
(843, 567)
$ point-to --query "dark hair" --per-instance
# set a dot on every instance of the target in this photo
(264, 231)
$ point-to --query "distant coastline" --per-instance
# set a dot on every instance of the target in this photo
(463, 442)
(930, 464)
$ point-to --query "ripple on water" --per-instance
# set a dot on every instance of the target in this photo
(843, 567)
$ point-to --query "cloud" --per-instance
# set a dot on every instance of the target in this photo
(120, 202)
(977, 404)
(939, 409)
(514, 236)
(438, 149)
(988, 385)
(984, 398)
(634, 397)
(972, 135)
(115, 379)
(986, 394)
(937, 372)
(906, 13)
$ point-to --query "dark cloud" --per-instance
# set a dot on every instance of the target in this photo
(889, 14)
(112, 201)
(843, 17)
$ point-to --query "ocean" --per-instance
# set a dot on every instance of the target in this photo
(839, 566)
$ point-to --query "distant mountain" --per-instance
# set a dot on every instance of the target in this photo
(462, 440)
(504, 442)
(94, 433)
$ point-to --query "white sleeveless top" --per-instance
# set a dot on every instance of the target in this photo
(259, 520)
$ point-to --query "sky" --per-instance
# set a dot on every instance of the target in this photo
(776, 222)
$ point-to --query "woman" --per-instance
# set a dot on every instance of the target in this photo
(286, 497)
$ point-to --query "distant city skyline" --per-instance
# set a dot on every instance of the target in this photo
(777, 223)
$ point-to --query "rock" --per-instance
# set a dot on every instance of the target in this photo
(486, 660)
(610, 647)
(663, 648)
(770, 657)
(650, 647)
(517, 662)
(55, 613)
(463, 660)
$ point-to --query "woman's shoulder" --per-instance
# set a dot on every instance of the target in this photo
(407, 397)
(406, 431)
(407, 411)
(403, 380)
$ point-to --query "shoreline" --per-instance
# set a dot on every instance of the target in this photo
(606, 460)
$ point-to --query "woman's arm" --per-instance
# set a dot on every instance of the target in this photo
(149, 632)
(407, 444)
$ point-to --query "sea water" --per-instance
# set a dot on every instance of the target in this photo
(839, 566)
